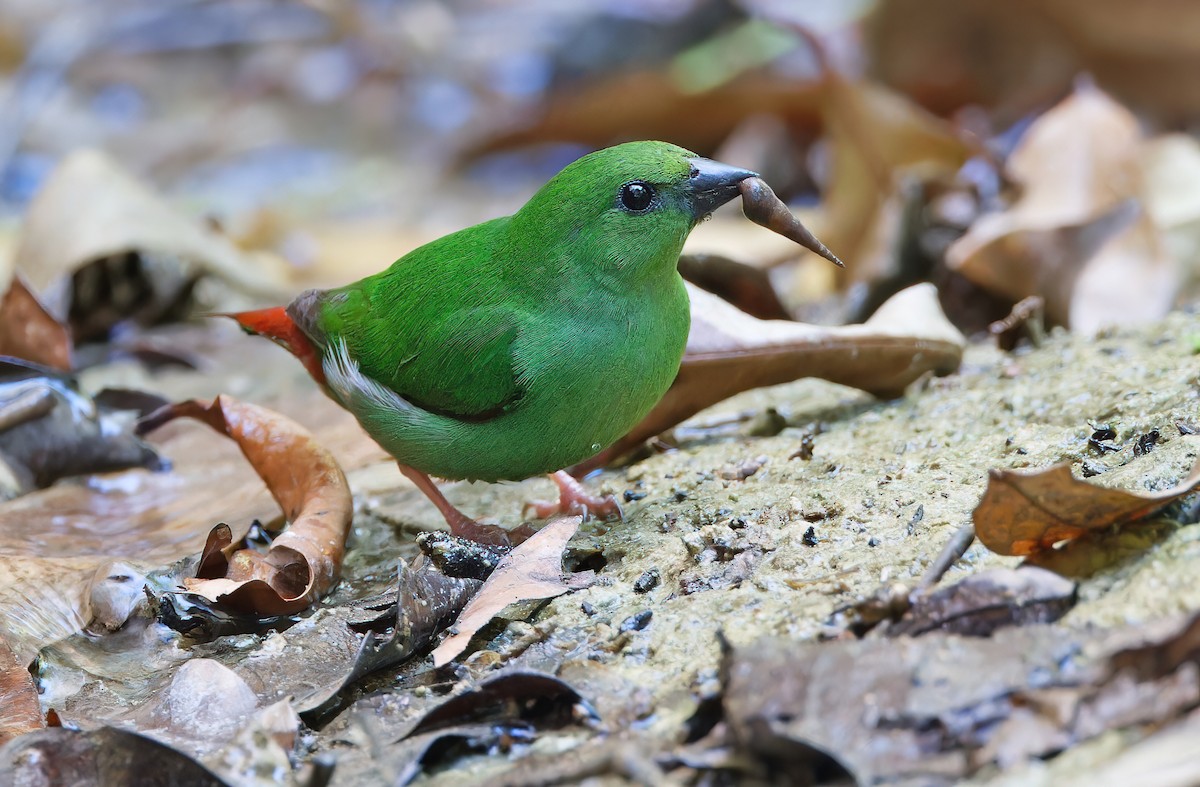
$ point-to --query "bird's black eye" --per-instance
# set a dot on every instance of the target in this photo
(637, 196)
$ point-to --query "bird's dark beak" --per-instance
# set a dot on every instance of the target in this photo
(712, 184)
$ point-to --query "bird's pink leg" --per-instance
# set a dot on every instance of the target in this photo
(574, 499)
(460, 524)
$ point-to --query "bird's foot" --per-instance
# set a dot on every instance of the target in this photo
(481, 533)
(459, 523)
(573, 499)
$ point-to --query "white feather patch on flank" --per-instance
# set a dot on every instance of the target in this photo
(345, 378)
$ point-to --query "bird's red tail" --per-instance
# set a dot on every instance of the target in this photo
(278, 326)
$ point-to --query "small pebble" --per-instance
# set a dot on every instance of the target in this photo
(647, 581)
(810, 537)
(637, 622)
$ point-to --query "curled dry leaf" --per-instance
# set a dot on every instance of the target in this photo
(1026, 513)
(729, 352)
(110, 214)
(1077, 236)
(58, 545)
(20, 711)
(532, 570)
(304, 562)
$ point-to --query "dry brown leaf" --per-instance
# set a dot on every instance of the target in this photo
(729, 352)
(979, 604)
(877, 139)
(28, 331)
(1145, 53)
(91, 209)
(1025, 513)
(1084, 556)
(1172, 168)
(746, 287)
(304, 562)
(1018, 696)
(1070, 237)
(20, 711)
(650, 105)
(532, 570)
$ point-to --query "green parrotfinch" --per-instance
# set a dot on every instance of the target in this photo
(524, 344)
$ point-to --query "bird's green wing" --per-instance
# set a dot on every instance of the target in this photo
(443, 357)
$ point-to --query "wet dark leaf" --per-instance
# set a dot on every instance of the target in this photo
(104, 756)
(425, 602)
(460, 557)
(509, 696)
(427, 752)
(514, 703)
(50, 430)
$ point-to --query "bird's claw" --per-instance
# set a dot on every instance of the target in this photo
(573, 499)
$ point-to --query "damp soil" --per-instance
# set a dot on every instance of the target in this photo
(766, 515)
(780, 506)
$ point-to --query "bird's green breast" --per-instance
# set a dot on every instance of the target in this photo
(589, 377)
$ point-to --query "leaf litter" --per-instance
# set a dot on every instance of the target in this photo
(532, 570)
(1079, 234)
(827, 514)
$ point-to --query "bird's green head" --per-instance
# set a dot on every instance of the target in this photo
(626, 210)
